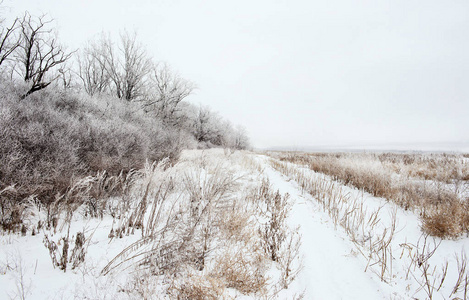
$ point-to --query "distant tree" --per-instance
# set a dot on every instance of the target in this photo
(241, 140)
(208, 128)
(166, 91)
(92, 67)
(38, 53)
(202, 130)
(128, 66)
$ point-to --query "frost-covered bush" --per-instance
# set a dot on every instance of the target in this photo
(156, 90)
(54, 135)
(210, 130)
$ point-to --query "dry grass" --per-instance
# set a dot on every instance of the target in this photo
(243, 270)
(446, 220)
(195, 233)
(433, 279)
(274, 232)
(236, 223)
(197, 287)
(280, 243)
(395, 177)
(439, 167)
(372, 239)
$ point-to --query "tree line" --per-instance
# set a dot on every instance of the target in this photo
(106, 107)
(30, 52)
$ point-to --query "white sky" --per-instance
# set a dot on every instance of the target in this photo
(302, 72)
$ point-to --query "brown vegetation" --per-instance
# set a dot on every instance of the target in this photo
(429, 184)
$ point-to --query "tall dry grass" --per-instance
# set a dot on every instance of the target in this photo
(196, 232)
(373, 239)
(393, 176)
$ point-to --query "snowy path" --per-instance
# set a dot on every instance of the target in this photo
(331, 268)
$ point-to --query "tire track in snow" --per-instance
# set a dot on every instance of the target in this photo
(331, 267)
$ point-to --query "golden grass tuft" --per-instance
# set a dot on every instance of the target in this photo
(242, 270)
(197, 287)
(446, 221)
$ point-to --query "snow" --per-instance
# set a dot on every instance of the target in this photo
(405, 242)
(332, 264)
(331, 268)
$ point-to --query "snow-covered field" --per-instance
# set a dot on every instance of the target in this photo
(353, 245)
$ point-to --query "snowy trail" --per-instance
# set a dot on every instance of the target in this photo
(331, 268)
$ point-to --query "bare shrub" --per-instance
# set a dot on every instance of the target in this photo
(274, 232)
(20, 269)
(59, 251)
(289, 260)
(11, 214)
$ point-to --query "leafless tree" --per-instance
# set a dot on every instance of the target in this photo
(38, 53)
(128, 66)
(207, 127)
(167, 90)
(66, 76)
(201, 124)
(8, 40)
(92, 67)
(241, 140)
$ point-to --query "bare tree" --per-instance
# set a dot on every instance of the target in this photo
(167, 91)
(38, 53)
(201, 124)
(66, 76)
(241, 140)
(128, 66)
(207, 127)
(92, 67)
(8, 40)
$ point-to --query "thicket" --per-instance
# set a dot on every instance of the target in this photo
(121, 111)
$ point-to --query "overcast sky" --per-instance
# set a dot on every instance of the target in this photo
(302, 73)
